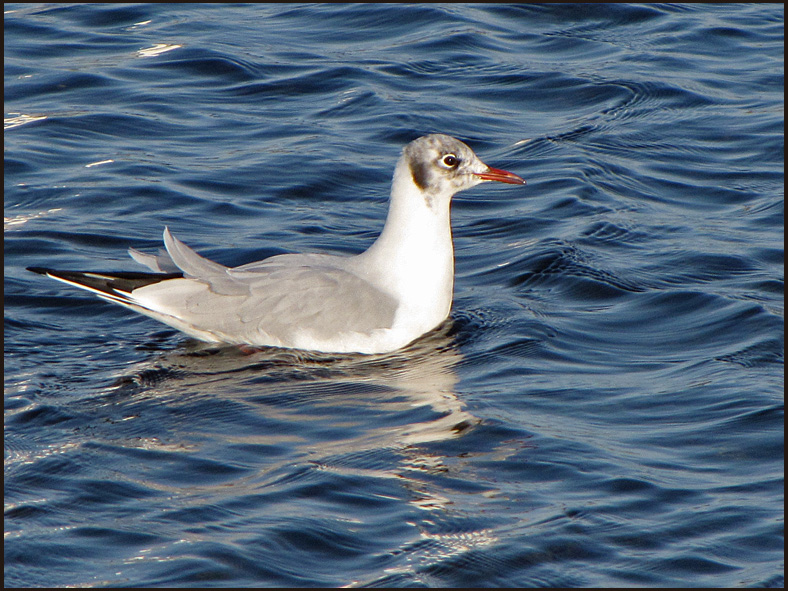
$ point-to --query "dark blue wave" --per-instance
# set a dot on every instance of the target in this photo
(604, 407)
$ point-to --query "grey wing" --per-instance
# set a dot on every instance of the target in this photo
(283, 307)
(319, 302)
(158, 263)
(279, 301)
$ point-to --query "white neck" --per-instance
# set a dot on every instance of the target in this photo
(413, 258)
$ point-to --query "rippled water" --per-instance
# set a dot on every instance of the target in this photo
(605, 406)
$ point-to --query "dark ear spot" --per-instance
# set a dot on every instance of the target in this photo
(420, 174)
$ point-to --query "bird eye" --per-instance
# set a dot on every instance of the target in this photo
(450, 160)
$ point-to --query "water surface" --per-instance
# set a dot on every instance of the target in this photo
(605, 405)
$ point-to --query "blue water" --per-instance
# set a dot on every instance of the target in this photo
(605, 405)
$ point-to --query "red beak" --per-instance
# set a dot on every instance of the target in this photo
(502, 176)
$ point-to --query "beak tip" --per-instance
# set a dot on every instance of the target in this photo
(502, 176)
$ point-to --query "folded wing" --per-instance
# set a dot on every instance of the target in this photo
(285, 301)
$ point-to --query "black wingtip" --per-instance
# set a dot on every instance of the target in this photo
(125, 282)
(39, 270)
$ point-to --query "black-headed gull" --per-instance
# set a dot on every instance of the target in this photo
(374, 302)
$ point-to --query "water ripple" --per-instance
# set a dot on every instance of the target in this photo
(604, 407)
